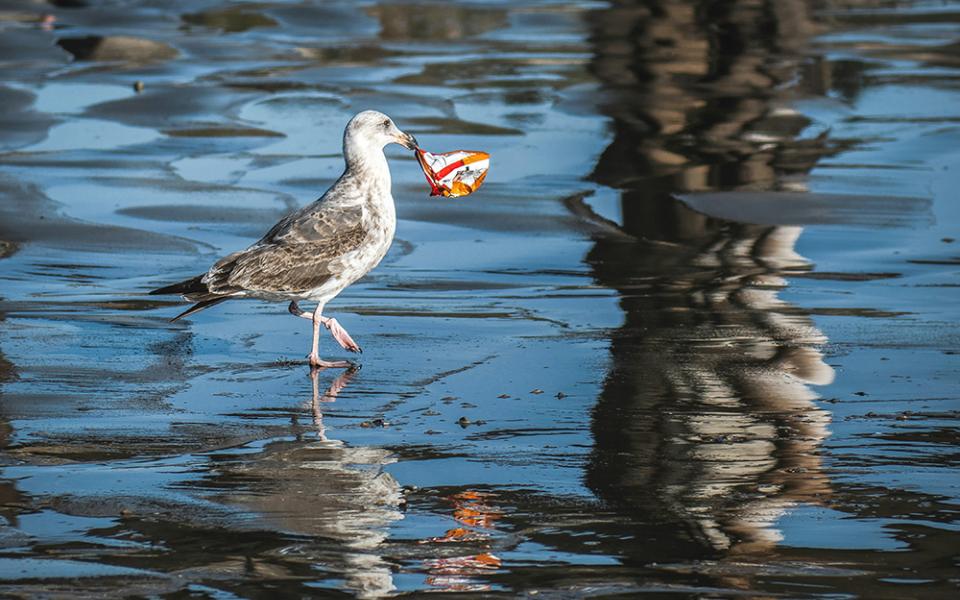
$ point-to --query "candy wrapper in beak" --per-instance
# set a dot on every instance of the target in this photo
(454, 174)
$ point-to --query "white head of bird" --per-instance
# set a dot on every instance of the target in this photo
(367, 134)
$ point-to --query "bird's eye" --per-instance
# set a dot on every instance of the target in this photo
(386, 124)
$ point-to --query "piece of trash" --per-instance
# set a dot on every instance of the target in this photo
(454, 174)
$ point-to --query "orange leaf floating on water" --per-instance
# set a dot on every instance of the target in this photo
(454, 174)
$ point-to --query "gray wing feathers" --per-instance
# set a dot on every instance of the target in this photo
(295, 255)
(320, 220)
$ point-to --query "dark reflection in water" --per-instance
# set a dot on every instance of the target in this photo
(11, 500)
(678, 462)
(705, 427)
(440, 21)
(116, 48)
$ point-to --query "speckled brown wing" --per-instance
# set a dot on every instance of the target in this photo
(319, 221)
(295, 255)
(282, 268)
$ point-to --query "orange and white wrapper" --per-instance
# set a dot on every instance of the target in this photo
(454, 174)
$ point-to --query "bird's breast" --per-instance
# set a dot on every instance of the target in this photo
(378, 230)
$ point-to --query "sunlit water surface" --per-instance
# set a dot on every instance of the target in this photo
(697, 335)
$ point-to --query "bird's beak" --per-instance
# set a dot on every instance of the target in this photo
(407, 141)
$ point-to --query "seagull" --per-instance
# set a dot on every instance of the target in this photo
(315, 252)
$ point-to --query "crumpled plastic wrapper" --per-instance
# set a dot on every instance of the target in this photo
(454, 174)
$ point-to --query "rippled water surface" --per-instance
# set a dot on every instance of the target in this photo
(697, 335)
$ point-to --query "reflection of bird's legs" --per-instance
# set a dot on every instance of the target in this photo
(328, 396)
(318, 319)
(315, 406)
(333, 326)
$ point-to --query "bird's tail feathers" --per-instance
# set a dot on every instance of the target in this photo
(194, 285)
(200, 306)
(195, 290)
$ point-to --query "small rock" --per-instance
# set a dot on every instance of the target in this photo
(126, 512)
(859, 393)
(948, 240)
(560, 396)
(374, 423)
(138, 86)
(503, 396)
(536, 391)
(463, 422)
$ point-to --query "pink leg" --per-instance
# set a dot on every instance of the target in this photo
(333, 326)
(340, 334)
(314, 357)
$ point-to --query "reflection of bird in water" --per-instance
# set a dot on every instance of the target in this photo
(336, 493)
(317, 251)
(328, 396)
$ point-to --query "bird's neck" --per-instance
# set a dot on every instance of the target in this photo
(367, 166)
(367, 163)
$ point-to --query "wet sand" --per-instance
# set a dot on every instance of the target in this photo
(697, 335)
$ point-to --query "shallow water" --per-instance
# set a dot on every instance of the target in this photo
(697, 335)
